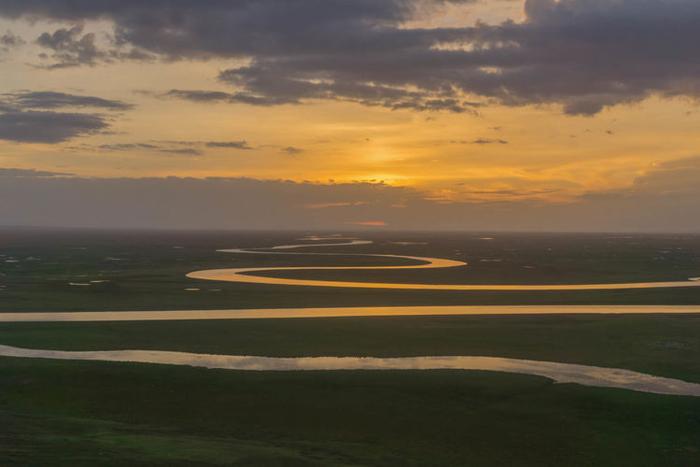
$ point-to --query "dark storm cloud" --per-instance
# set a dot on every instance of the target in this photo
(584, 55)
(48, 127)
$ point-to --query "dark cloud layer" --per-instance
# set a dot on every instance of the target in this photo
(665, 199)
(26, 173)
(52, 100)
(186, 148)
(484, 141)
(48, 127)
(129, 147)
(32, 116)
(69, 47)
(9, 41)
(204, 96)
(229, 145)
(584, 55)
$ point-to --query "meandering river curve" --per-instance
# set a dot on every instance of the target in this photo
(558, 372)
(247, 275)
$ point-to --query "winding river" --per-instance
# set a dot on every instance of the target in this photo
(558, 372)
(247, 275)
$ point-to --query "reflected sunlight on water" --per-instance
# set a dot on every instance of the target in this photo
(559, 372)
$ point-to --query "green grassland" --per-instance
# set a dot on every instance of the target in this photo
(146, 270)
(93, 413)
(61, 413)
(663, 345)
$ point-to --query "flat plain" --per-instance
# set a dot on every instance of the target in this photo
(96, 413)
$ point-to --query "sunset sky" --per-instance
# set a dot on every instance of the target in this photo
(420, 114)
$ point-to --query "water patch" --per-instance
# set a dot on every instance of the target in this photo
(558, 372)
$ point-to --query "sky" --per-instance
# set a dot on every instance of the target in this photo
(535, 115)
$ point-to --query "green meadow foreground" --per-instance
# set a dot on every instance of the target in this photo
(93, 413)
(77, 413)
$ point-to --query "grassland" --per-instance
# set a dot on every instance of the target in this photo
(146, 270)
(91, 414)
(663, 345)
(59, 413)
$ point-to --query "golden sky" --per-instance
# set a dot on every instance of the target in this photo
(535, 116)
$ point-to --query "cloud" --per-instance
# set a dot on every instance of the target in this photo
(369, 223)
(6, 172)
(128, 146)
(30, 116)
(677, 177)
(187, 148)
(340, 204)
(583, 55)
(177, 202)
(229, 145)
(70, 48)
(268, 32)
(9, 41)
(505, 194)
(182, 151)
(219, 96)
(580, 54)
(53, 100)
(292, 151)
(131, 147)
(482, 141)
(662, 200)
(48, 127)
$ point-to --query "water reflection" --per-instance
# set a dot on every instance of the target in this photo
(559, 372)
(343, 312)
(246, 275)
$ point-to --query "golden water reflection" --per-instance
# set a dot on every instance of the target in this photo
(246, 275)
